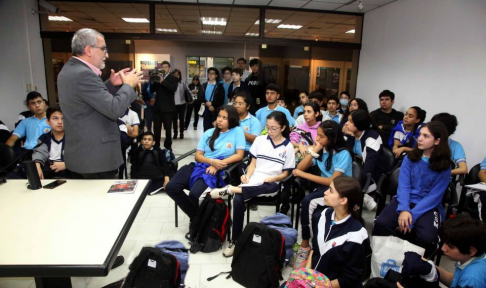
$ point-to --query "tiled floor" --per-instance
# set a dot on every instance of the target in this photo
(155, 223)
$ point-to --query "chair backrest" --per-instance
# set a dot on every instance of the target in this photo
(8, 157)
(473, 176)
(387, 160)
(357, 172)
(393, 184)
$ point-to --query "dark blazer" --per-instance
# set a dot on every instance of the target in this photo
(164, 97)
(243, 85)
(91, 109)
(218, 96)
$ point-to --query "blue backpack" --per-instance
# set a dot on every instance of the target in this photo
(283, 224)
(178, 250)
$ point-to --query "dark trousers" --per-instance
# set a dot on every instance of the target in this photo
(207, 119)
(100, 175)
(166, 118)
(239, 207)
(308, 208)
(179, 115)
(180, 181)
(196, 105)
(424, 233)
(149, 116)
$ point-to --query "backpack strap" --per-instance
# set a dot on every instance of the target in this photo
(207, 207)
(157, 159)
(137, 263)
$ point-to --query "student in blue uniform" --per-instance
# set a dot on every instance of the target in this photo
(303, 99)
(340, 243)
(481, 198)
(403, 136)
(250, 124)
(218, 148)
(272, 157)
(329, 153)
(424, 176)
(272, 95)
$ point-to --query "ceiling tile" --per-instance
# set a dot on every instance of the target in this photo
(322, 5)
(289, 3)
(252, 2)
(377, 2)
(333, 1)
(216, 1)
(181, 1)
(353, 7)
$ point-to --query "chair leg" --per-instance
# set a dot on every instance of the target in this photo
(230, 197)
(247, 213)
(176, 216)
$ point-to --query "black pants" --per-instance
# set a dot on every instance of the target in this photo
(196, 105)
(179, 115)
(208, 119)
(100, 175)
(166, 118)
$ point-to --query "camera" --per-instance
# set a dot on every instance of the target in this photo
(154, 75)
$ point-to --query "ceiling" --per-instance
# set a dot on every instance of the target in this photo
(186, 19)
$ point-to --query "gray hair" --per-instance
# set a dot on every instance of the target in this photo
(82, 38)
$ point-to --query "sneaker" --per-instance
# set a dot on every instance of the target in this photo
(230, 250)
(217, 193)
(301, 258)
(284, 209)
(118, 261)
(253, 207)
(369, 203)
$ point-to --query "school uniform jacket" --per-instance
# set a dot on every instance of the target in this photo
(217, 97)
(371, 151)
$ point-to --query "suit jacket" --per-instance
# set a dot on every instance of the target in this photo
(91, 109)
(164, 96)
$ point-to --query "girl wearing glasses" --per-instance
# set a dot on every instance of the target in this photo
(272, 157)
(332, 158)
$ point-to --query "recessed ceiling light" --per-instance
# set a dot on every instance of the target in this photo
(287, 26)
(351, 32)
(136, 20)
(213, 21)
(59, 18)
(166, 30)
(269, 21)
(252, 34)
(212, 32)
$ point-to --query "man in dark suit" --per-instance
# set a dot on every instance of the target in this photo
(91, 108)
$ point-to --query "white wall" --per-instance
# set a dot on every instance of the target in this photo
(432, 54)
(21, 57)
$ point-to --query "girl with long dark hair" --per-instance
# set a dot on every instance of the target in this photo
(332, 158)
(424, 176)
(218, 147)
(197, 92)
(403, 136)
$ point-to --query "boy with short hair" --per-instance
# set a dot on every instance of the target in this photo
(272, 95)
(256, 86)
(149, 162)
(385, 117)
(344, 98)
(48, 154)
(236, 75)
(332, 112)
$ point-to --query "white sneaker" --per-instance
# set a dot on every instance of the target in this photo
(217, 193)
(230, 250)
(301, 257)
(369, 203)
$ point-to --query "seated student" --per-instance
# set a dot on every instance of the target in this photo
(367, 145)
(332, 112)
(30, 112)
(344, 98)
(236, 75)
(271, 159)
(424, 177)
(218, 148)
(403, 136)
(340, 243)
(354, 104)
(457, 152)
(304, 135)
(31, 127)
(482, 195)
(48, 154)
(333, 160)
(464, 242)
(303, 99)
(282, 103)
(316, 97)
(132, 122)
(4, 132)
(272, 95)
(250, 124)
(149, 162)
(386, 117)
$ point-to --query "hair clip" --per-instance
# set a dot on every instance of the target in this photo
(356, 208)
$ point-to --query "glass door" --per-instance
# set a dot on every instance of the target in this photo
(330, 76)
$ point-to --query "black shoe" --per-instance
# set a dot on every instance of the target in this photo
(175, 136)
(195, 128)
(182, 136)
(284, 209)
(185, 128)
(188, 236)
(118, 261)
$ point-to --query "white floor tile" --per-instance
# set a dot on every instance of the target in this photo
(145, 231)
(16, 282)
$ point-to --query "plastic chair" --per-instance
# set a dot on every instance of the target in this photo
(466, 202)
(8, 161)
(390, 188)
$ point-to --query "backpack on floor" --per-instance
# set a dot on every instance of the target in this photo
(259, 257)
(177, 249)
(283, 224)
(153, 268)
(210, 225)
(169, 155)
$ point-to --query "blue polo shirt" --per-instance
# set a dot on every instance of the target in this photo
(457, 152)
(250, 125)
(470, 274)
(298, 110)
(31, 128)
(226, 89)
(341, 162)
(334, 118)
(209, 91)
(262, 114)
(483, 164)
(226, 144)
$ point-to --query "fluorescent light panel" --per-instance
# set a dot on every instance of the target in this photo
(252, 34)
(213, 21)
(136, 20)
(212, 32)
(269, 21)
(288, 26)
(166, 30)
(351, 32)
(59, 18)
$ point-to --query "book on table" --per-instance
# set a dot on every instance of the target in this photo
(123, 187)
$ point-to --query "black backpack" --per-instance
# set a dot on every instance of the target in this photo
(153, 268)
(146, 171)
(259, 257)
(210, 225)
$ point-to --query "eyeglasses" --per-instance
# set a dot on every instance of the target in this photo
(104, 48)
(238, 103)
(273, 129)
